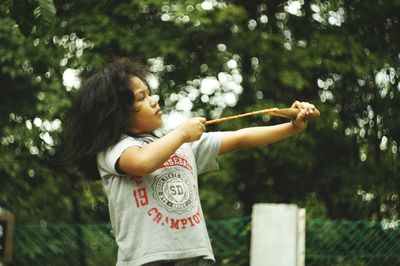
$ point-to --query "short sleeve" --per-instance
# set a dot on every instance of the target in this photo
(107, 159)
(206, 150)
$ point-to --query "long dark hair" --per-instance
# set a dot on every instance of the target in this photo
(99, 114)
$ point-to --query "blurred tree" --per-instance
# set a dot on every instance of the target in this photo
(320, 52)
(213, 58)
(31, 16)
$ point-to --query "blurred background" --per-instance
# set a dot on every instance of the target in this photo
(213, 59)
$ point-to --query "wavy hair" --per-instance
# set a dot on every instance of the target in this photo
(99, 114)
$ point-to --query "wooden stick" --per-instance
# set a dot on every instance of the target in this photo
(283, 112)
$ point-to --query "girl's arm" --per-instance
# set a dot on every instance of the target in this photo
(259, 136)
(144, 160)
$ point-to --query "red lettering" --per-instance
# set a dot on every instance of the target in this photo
(140, 196)
(191, 222)
(151, 211)
(158, 217)
(174, 223)
(183, 222)
(196, 218)
(176, 160)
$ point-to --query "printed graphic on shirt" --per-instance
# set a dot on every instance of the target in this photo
(173, 187)
(174, 191)
(174, 223)
(158, 215)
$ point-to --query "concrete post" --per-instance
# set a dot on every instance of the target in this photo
(6, 235)
(278, 235)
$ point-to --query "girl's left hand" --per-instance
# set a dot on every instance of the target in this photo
(306, 110)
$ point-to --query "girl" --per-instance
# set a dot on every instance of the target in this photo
(151, 182)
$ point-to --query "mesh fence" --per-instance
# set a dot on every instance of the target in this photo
(333, 243)
(230, 240)
(64, 245)
(357, 243)
(94, 245)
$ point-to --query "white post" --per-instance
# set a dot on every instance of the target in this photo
(301, 237)
(277, 237)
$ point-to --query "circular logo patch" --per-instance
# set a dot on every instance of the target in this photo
(174, 191)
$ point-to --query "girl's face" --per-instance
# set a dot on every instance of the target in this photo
(146, 114)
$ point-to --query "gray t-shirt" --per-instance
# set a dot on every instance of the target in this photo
(159, 216)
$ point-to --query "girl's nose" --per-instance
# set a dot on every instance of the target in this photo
(153, 101)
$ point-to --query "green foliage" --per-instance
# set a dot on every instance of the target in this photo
(31, 16)
(45, 14)
(343, 58)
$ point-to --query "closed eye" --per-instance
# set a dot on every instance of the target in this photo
(140, 96)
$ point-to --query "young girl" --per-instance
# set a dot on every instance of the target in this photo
(151, 182)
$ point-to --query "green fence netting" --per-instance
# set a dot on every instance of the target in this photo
(352, 243)
(93, 245)
(339, 243)
(64, 244)
(230, 240)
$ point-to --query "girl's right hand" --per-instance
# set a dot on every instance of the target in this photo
(192, 128)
